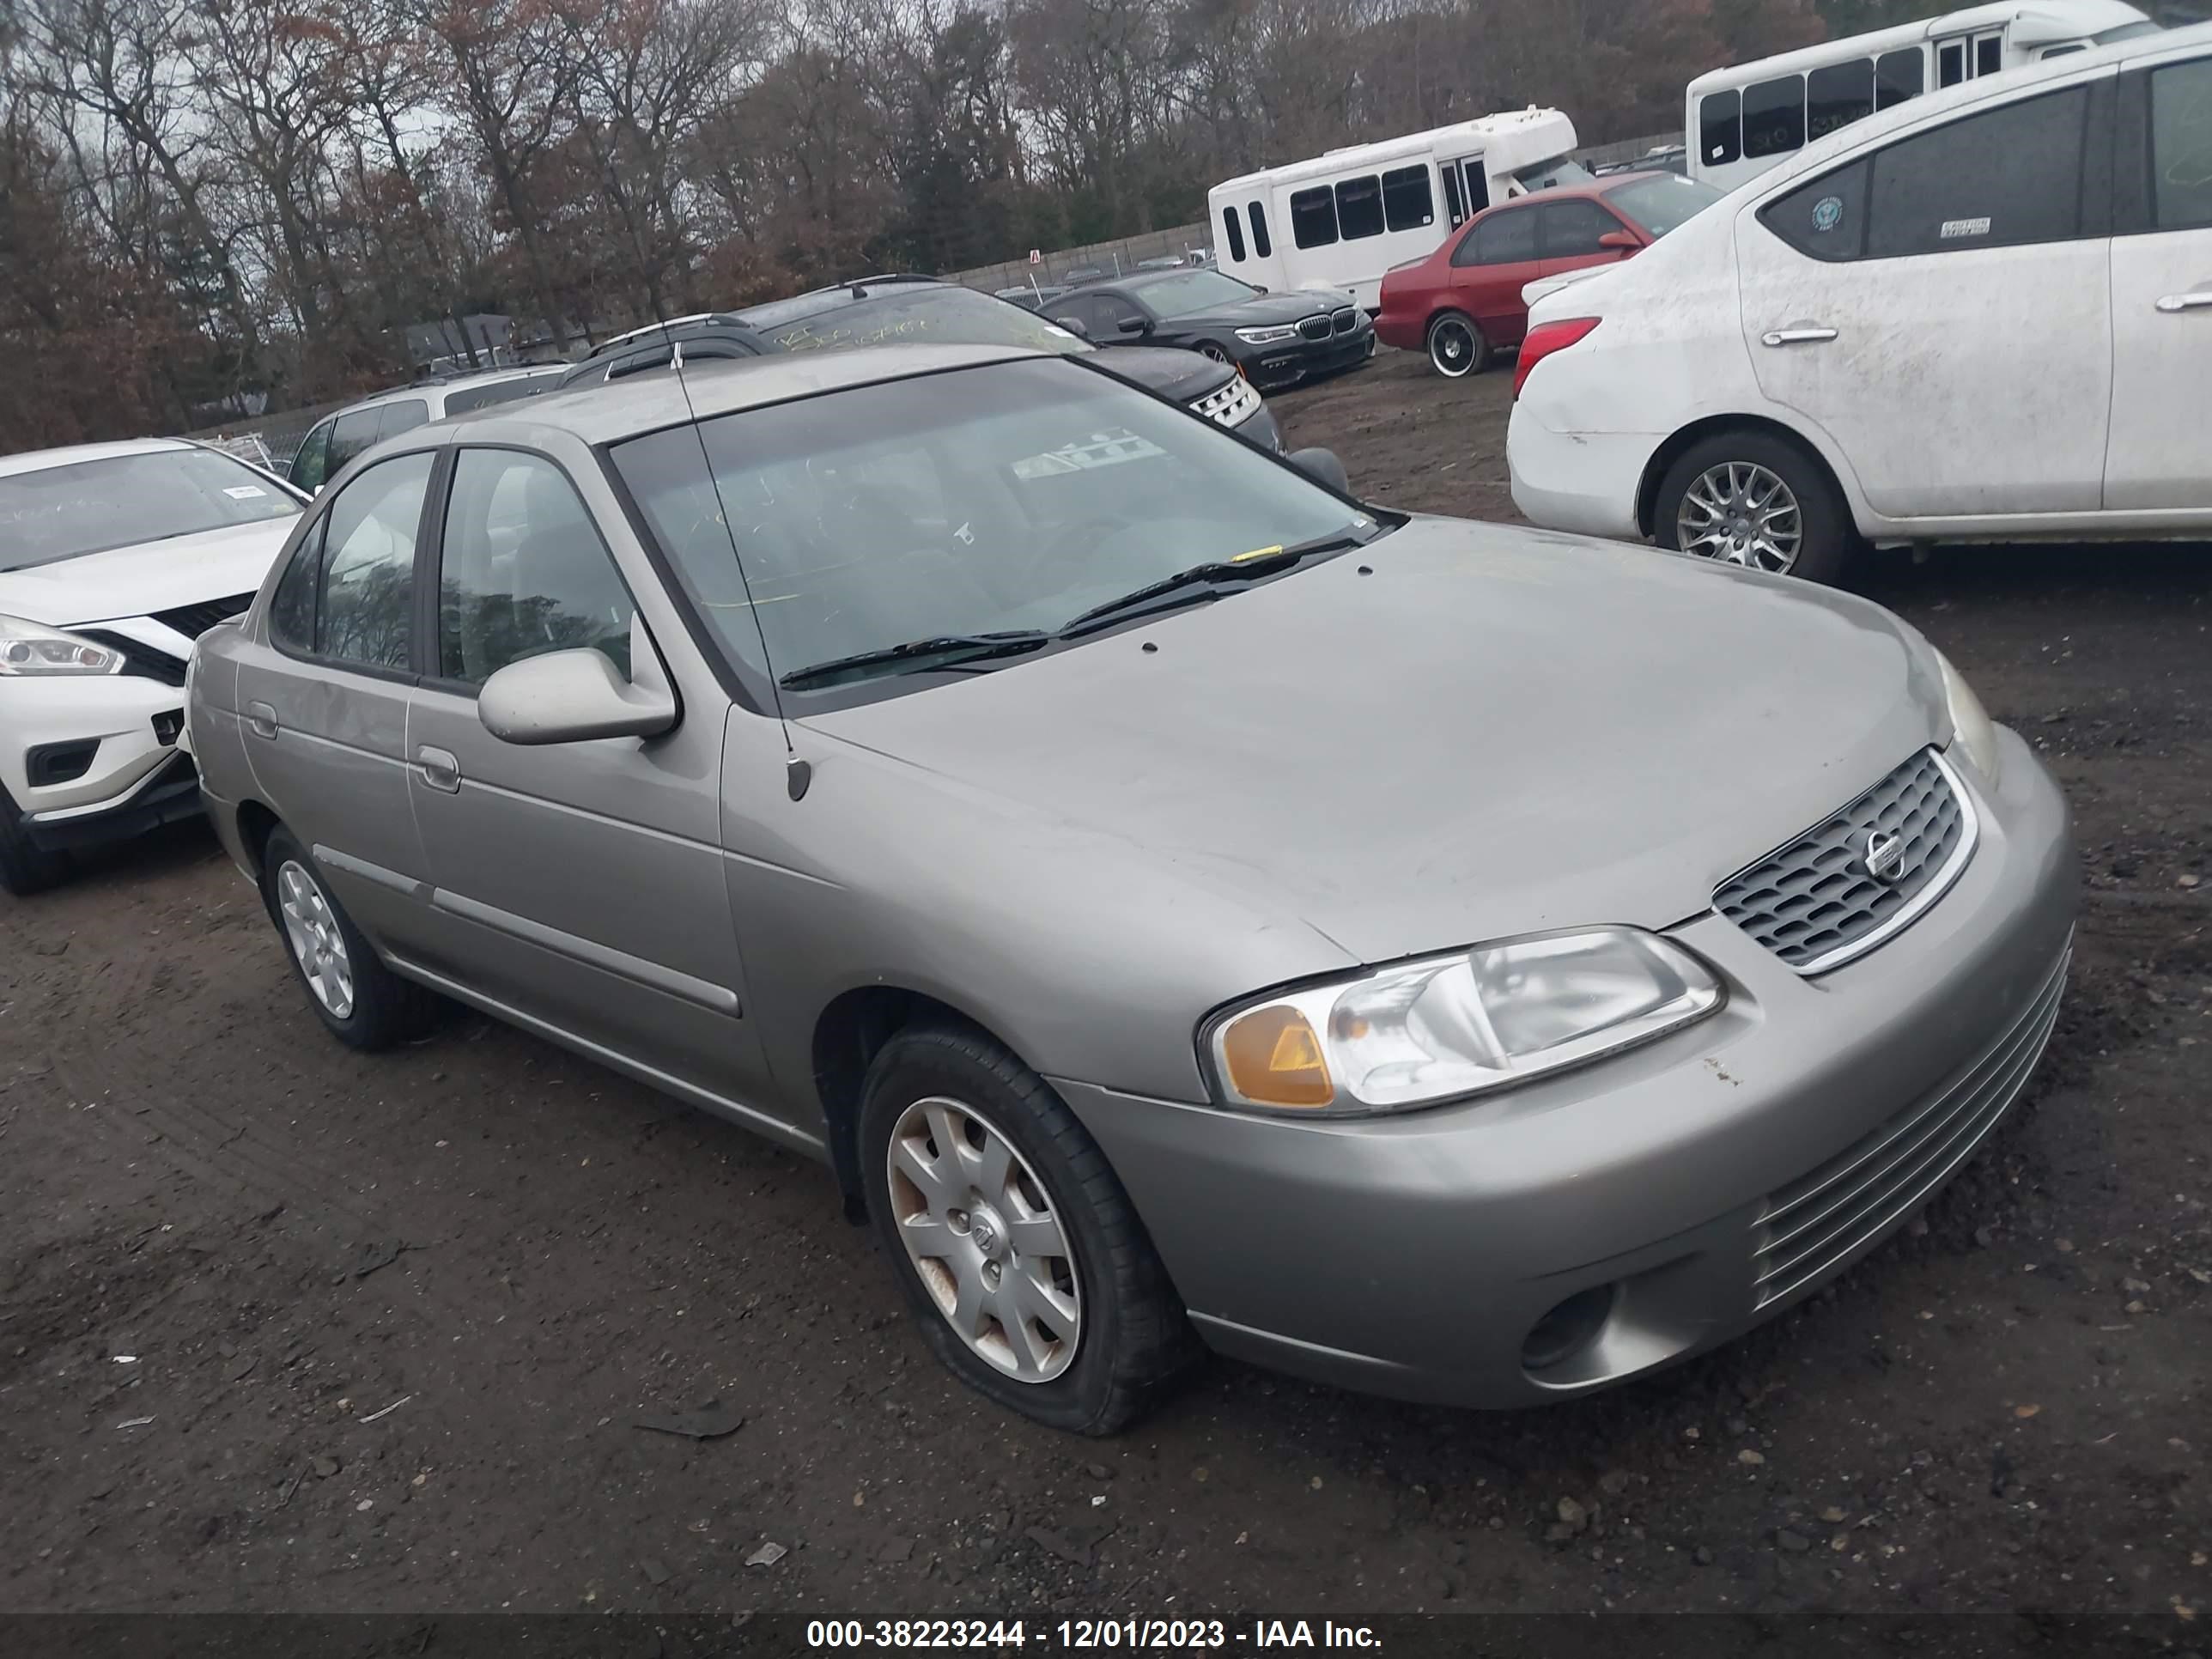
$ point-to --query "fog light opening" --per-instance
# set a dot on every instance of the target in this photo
(1569, 1327)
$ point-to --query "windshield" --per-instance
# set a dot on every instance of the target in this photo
(910, 316)
(1013, 496)
(60, 512)
(1188, 292)
(1662, 204)
(1554, 171)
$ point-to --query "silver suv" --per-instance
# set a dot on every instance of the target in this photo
(324, 453)
(1179, 903)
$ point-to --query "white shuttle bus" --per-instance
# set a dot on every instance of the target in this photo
(1341, 219)
(1743, 120)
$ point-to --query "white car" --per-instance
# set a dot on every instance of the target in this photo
(1981, 315)
(115, 558)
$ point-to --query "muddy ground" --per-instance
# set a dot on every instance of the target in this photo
(221, 1389)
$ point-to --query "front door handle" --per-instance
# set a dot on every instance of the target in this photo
(1801, 334)
(2198, 298)
(440, 769)
(262, 719)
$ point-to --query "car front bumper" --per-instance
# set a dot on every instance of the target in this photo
(1294, 360)
(81, 758)
(1675, 1196)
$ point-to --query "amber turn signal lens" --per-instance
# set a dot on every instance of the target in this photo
(1274, 1057)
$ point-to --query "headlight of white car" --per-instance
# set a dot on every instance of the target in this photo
(1971, 728)
(1267, 336)
(31, 649)
(1444, 1028)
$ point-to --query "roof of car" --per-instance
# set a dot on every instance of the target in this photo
(37, 461)
(606, 413)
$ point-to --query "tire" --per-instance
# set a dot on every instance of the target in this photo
(1827, 542)
(377, 1008)
(1092, 1374)
(25, 869)
(1207, 349)
(1456, 346)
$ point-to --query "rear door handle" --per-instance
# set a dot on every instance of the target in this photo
(1802, 335)
(440, 769)
(262, 718)
(2198, 298)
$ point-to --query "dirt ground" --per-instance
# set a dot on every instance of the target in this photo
(221, 1388)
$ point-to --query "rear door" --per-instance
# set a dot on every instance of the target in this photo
(1939, 307)
(2162, 434)
(1490, 265)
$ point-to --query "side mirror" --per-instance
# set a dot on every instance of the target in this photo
(1074, 325)
(1323, 467)
(575, 697)
(1133, 325)
(1623, 240)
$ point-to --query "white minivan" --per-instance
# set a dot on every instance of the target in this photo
(1340, 221)
(1985, 315)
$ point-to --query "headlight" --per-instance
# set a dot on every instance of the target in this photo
(1971, 728)
(29, 648)
(1446, 1027)
(1267, 336)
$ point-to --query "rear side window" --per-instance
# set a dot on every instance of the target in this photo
(1570, 230)
(403, 415)
(1720, 127)
(2181, 145)
(1262, 248)
(1235, 232)
(1988, 54)
(353, 432)
(291, 609)
(1503, 238)
(1823, 218)
(2000, 178)
(1899, 76)
(1313, 217)
(1774, 117)
(1950, 63)
(1359, 208)
(1406, 203)
(1837, 94)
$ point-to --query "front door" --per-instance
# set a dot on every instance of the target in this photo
(2162, 298)
(579, 883)
(1940, 310)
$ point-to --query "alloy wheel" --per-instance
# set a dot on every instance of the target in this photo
(1451, 348)
(318, 943)
(1209, 350)
(1738, 512)
(985, 1239)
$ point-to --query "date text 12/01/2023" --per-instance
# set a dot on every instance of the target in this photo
(1085, 1634)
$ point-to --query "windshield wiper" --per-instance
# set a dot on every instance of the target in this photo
(1199, 582)
(955, 649)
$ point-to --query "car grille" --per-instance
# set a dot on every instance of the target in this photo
(1819, 1220)
(1315, 328)
(194, 620)
(142, 660)
(1815, 903)
(1344, 321)
(1231, 404)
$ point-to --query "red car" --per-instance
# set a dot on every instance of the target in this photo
(1463, 301)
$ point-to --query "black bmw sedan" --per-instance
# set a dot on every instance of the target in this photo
(1277, 339)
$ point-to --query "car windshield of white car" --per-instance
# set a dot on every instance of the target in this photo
(1662, 204)
(58, 513)
(1186, 293)
(1008, 499)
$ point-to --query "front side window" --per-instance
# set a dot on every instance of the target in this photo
(1837, 94)
(1720, 127)
(55, 513)
(1313, 217)
(2181, 145)
(1774, 117)
(1406, 203)
(312, 464)
(1010, 497)
(1997, 178)
(1899, 76)
(1359, 208)
(1235, 232)
(1570, 230)
(365, 600)
(523, 569)
(1257, 212)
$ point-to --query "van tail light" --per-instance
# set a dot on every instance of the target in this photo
(1543, 340)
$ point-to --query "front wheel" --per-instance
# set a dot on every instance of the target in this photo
(1021, 1257)
(1457, 348)
(1753, 500)
(1208, 348)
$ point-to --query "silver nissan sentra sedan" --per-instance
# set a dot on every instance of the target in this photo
(1184, 907)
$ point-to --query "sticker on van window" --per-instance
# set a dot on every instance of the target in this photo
(1827, 213)
(245, 492)
(1957, 227)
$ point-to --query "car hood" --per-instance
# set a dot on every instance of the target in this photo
(1182, 375)
(1262, 309)
(1498, 731)
(138, 580)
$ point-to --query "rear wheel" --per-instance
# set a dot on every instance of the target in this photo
(364, 1004)
(1750, 499)
(25, 869)
(1457, 348)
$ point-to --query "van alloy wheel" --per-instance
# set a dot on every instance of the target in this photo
(985, 1239)
(1739, 513)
